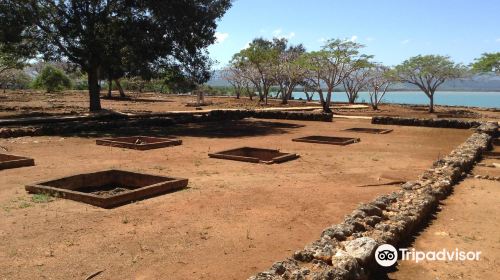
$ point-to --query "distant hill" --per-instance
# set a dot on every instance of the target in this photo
(487, 82)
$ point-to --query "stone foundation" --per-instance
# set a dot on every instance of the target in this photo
(443, 123)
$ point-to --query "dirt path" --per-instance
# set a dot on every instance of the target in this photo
(468, 221)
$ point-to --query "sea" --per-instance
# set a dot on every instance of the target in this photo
(453, 98)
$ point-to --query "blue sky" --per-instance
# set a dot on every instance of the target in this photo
(391, 30)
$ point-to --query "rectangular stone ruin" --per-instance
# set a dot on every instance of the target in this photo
(10, 161)
(327, 140)
(139, 142)
(110, 188)
(255, 155)
(369, 130)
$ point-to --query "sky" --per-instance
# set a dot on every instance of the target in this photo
(391, 30)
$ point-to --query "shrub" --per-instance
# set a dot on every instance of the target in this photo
(52, 79)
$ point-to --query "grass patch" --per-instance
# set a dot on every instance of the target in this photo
(24, 204)
(41, 198)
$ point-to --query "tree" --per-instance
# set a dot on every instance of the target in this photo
(14, 78)
(355, 82)
(379, 78)
(256, 62)
(488, 62)
(331, 65)
(10, 61)
(178, 82)
(288, 71)
(428, 72)
(308, 91)
(235, 78)
(52, 79)
(150, 34)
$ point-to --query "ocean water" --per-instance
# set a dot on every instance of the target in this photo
(455, 98)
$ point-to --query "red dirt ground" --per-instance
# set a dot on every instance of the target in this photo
(468, 221)
(234, 220)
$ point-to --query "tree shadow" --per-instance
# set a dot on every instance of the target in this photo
(219, 129)
(134, 99)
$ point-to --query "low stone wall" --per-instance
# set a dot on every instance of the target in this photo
(346, 250)
(444, 123)
(117, 121)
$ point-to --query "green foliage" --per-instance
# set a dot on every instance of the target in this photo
(52, 79)
(115, 38)
(428, 72)
(41, 198)
(178, 82)
(488, 62)
(10, 60)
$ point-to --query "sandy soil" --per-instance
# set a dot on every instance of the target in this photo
(76, 102)
(234, 219)
(468, 221)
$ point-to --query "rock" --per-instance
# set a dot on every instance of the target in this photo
(370, 210)
(348, 266)
(339, 232)
(361, 248)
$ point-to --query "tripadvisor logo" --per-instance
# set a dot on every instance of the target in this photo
(386, 255)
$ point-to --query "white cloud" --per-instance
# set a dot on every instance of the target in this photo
(353, 38)
(321, 40)
(220, 37)
(405, 42)
(497, 40)
(278, 33)
(369, 39)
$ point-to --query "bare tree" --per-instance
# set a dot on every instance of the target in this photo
(256, 63)
(379, 79)
(354, 83)
(288, 71)
(331, 65)
(236, 79)
(308, 91)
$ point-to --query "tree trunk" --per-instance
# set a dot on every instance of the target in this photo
(120, 89)
(351, 97)
(431, 105)
(94, 89)
(266, 94)
(326, 103)
(284, 96)
(326, 107)
(307, 96)
(110, 86)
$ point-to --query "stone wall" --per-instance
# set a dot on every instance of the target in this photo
(346, 250)
(443, 123)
